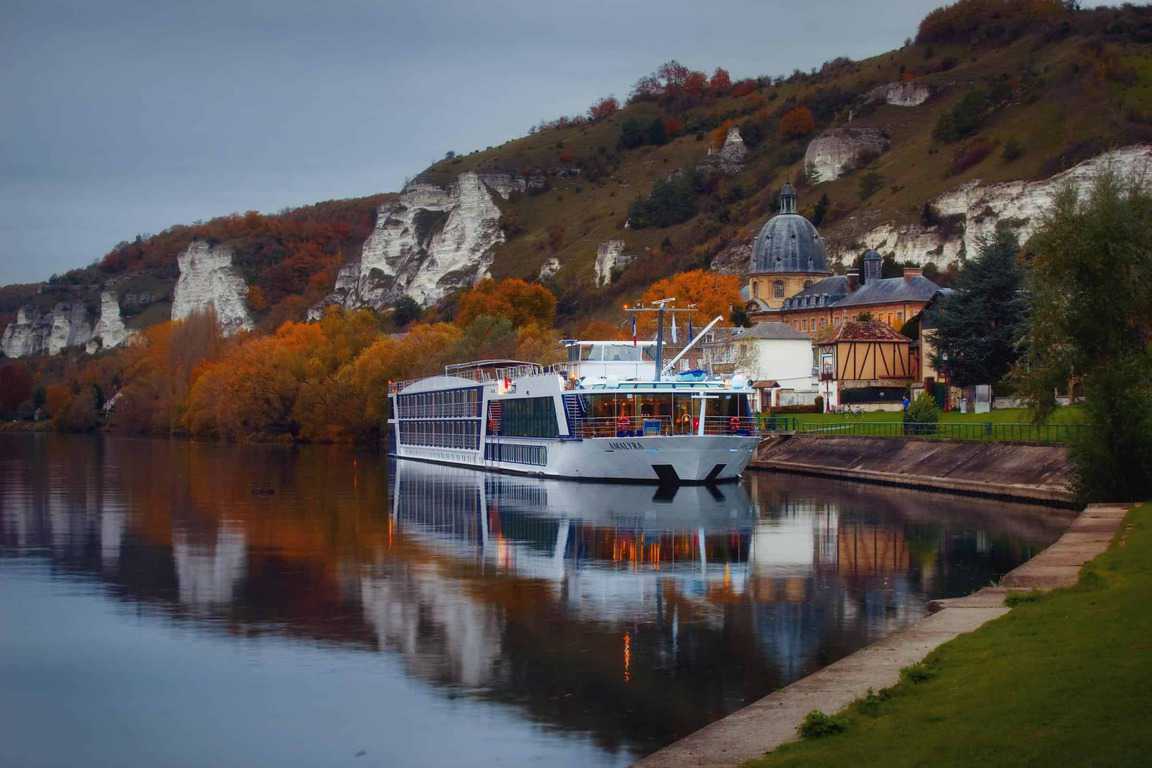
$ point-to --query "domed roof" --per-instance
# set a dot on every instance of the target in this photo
(788, 242)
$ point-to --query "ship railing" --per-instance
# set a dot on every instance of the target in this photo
(731, 425)
(476, 373)
(625, 426)
(482, 374)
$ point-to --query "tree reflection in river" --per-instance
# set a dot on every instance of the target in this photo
(620, 615)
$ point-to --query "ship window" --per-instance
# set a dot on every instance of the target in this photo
(620, 353)
(529, 417)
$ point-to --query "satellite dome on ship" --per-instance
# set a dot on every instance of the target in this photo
(788, 242)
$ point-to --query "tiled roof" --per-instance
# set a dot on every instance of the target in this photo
(770, 330)
(822, 293)
(891, 290)
(863, 330)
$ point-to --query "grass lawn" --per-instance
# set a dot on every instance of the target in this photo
(1072, 414)
(1065, 679)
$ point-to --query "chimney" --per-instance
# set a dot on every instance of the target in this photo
(911, 272)
(873, 267)
(853, 281)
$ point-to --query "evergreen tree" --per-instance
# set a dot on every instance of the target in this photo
(979, 327)
(1091, 283)
(820, 211)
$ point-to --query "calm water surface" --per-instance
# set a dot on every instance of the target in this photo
(180, 604)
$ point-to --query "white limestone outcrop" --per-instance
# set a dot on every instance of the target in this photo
(901, 94)
(208, 280)
(729, 159)
(838, 150)
(35, 331)
(977, 209)
(549, 268)
(609, 256)
(431, 241)
(110, 330)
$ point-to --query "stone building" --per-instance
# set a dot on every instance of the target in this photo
(788, 256)
(789, 280)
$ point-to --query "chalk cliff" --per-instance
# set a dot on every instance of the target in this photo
(36, 332)
(729, 159)
(110, 330)
(838, 150)
(976, 209)
(433, 240)
(208, 279)
(902, 94)
(610, 255)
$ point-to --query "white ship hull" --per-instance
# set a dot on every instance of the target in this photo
(670, 459)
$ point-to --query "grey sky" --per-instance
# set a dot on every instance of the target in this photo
(127, 116)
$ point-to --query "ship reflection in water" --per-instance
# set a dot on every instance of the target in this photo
(172, 603)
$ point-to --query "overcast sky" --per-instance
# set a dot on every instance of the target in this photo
(127, 116)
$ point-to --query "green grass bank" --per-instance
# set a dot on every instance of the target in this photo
(1063, 679)
(1071, 414)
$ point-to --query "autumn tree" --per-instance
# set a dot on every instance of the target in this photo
(603, 109)
(515, 300)
(15, 387)
(720, 83)
(796, 123)
(712, 294)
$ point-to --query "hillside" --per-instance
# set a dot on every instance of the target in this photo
(915, 152)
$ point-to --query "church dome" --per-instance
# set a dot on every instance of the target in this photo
(788, 242)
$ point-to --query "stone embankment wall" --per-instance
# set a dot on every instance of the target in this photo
(1038, 473)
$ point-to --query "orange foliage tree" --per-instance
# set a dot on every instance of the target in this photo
(604, 108)
(516, 300)
(797, 123)
(721, 82)
(712, 293)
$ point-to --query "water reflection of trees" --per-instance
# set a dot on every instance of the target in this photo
(613, 612)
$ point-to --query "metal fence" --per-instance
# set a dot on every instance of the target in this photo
(973, 431)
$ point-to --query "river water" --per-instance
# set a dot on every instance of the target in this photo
(184, 604)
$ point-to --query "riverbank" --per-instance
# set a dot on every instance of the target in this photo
(1057, 665)
(1065, 679)
(1037, 473)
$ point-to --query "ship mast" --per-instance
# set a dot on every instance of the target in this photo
(660, 308)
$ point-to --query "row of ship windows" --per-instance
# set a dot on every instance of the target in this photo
(536, 455)
(441, 434)
(464, 401)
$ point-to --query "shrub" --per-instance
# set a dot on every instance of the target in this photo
(796, 123)
(871, 703)
(1012, 151)
(869, 184)
(970, 155)
(965, 118)
(672, 201)
(920, 672)
(817, 725)
(923, 409)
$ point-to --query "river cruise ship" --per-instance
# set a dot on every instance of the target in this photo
(609, 413)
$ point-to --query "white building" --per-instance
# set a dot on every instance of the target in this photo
(775, 357)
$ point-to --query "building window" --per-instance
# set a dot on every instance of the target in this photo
(755, 289)
(807, 284)
(778, 289)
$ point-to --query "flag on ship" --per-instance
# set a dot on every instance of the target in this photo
(674, 339)
(633, 330)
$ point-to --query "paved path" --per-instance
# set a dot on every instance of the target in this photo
(771, 721)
